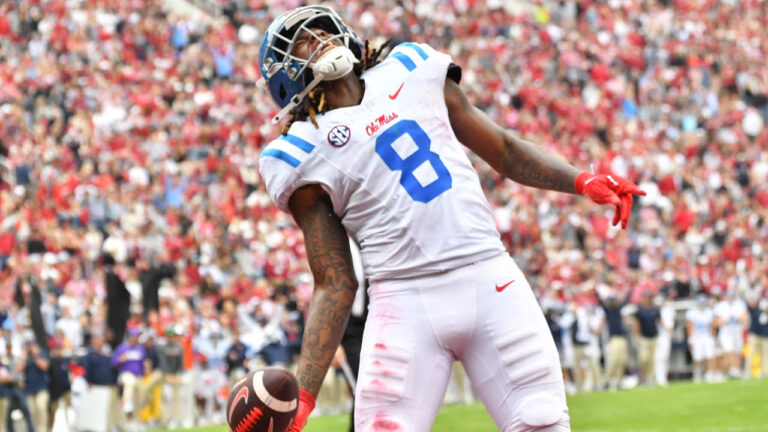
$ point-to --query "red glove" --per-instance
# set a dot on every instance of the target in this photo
(609, 189)
(306, 405)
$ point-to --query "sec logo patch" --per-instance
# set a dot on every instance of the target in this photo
(339, 136)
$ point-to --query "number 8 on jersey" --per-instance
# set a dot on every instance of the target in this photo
(415, 162)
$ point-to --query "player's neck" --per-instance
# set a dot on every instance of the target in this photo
(344, 92)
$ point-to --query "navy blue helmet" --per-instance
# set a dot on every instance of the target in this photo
(286, 75)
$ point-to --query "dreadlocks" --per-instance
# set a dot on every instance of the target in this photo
(315, 104)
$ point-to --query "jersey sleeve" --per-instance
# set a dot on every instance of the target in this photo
(741, 307)
(426, 62)
(280, 166)
(720, 310)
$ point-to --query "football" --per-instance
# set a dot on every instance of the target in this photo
(265, 400)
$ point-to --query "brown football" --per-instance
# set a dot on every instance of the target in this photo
(265, 400)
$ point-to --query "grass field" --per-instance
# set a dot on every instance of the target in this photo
(737, 406)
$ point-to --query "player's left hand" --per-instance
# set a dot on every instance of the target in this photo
(609, 189)
(306, 405)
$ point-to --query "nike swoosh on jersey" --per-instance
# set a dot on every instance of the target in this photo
(394, 96)
(500, 288)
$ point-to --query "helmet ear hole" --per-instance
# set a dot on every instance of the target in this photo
(282, 91)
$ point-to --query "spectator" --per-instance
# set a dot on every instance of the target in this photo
(617, 342)
(5, 383)
(98, 362)
(12, 385)
(223, 57)
(174, 190)
(7, 245)
(270, 317)
(50, 312)
(700, 329)
(35, 364)
(758, 335)
(293, 328)
(153, 376)
(731, 319)
(208, 393)
(100, 374)
(128, 359)
(554, 322)
(171, 356)
(115, 245)
(180, 34)
(664, 341)
(71, 328)
(60, 386)
(35, 242)
(260, 326)
(647, 322)
(236, 368)
(212, 343)
(583, 334)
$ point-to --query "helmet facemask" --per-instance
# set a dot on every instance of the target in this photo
(289, 77)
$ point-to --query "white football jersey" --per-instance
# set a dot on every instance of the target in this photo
(702, 321)
(730, 312)
(668, 319)
(397, 175)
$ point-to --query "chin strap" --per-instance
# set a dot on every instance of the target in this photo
(334, 64)
(296, 100)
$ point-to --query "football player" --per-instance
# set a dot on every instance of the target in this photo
(373, 148)
(731, 319)
(700, 322)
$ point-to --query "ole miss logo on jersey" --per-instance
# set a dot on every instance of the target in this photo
(380, 121)
(339, 136)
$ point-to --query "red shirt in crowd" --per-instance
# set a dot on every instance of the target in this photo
(7, 242)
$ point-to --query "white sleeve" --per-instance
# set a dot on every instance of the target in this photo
(280, 181)
(427, 63)
(718, 309)
(741, 307)
(280, 167)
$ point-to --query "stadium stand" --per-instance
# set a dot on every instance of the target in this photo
(130, 199)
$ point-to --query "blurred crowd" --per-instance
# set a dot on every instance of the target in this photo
(131, 204)
(617, 345)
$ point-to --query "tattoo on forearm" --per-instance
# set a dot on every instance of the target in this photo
(335, 286)
(539, 176)
(531, 165)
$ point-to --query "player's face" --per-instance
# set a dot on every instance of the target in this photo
(306, 44)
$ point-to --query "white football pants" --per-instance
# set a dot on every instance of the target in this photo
(417, 327)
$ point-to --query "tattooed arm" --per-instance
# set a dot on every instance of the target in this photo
(335, 283)
(516, 159)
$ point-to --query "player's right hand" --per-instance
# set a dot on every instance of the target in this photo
(306, 405)
(609, 189)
